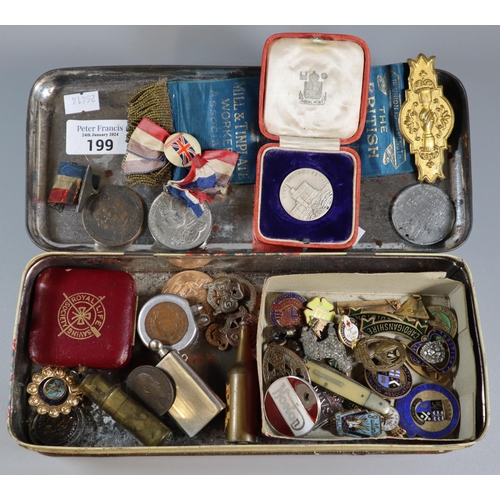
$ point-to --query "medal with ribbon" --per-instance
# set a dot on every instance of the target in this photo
(150, 149)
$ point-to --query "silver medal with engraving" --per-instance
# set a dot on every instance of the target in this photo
(174, 225)
(306, 194)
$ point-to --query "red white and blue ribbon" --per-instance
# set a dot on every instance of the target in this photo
(146, 148)
(208, 176)
(207, 179)
(67, 185)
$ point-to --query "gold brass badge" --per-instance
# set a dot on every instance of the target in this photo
(426, 119)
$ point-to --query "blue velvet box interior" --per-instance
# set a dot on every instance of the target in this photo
(336, 226)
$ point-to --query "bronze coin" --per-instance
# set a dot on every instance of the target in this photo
(166, 322)
(153, 387)
(191, 286)
(114, 216)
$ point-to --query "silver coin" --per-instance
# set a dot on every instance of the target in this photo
(114, 216)
(174, 225)
(423, 214)
(306, 194)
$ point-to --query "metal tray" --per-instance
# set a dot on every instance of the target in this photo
(150, 272)
(232, 231)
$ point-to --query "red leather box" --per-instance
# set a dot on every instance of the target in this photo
(313, 101)
(82, 317)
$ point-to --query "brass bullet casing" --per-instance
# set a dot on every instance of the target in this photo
(241, 393)
(426, 119)
(125, 410)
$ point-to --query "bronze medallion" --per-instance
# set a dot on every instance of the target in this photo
(191, 286)
(166, 322)
(114, 216)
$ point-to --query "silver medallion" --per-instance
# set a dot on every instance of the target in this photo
(423, 214)
(174, 225)
(306, 194)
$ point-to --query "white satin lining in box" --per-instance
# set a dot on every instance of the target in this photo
(339, 65)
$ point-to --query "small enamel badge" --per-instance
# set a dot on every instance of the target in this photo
(436, 350)
(348, 332)
(286, 310)
(319, 312)
(358, 423)
(393, 384)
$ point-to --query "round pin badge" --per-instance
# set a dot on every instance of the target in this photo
(292, 407)
(393, 384)
(114, 216)
(423, 214)
(286, 310)
(53, 391)
(181, 148)
(348, 331)
(429, 411)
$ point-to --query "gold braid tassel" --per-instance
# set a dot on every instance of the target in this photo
(151, 101)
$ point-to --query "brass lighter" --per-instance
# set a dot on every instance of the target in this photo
(125, 410)
(241, 393)
(195, 404)
(426, 119)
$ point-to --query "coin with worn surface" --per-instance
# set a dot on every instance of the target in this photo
(153, 387)
(306, 194)
(114, 216)
(64, 430)
(168, 319)
(174, 225)
(423, 214)
(166, 322)
(191, 286)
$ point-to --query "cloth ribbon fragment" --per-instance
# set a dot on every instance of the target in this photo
(208, 179)
(208, 176)
(145, 149)
(67, 184)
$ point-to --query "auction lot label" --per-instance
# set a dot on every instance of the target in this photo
(96, 137)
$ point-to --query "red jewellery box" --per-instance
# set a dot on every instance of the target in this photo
(82, 317)
(313, 101)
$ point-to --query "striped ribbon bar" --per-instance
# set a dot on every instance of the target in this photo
(67, 185)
